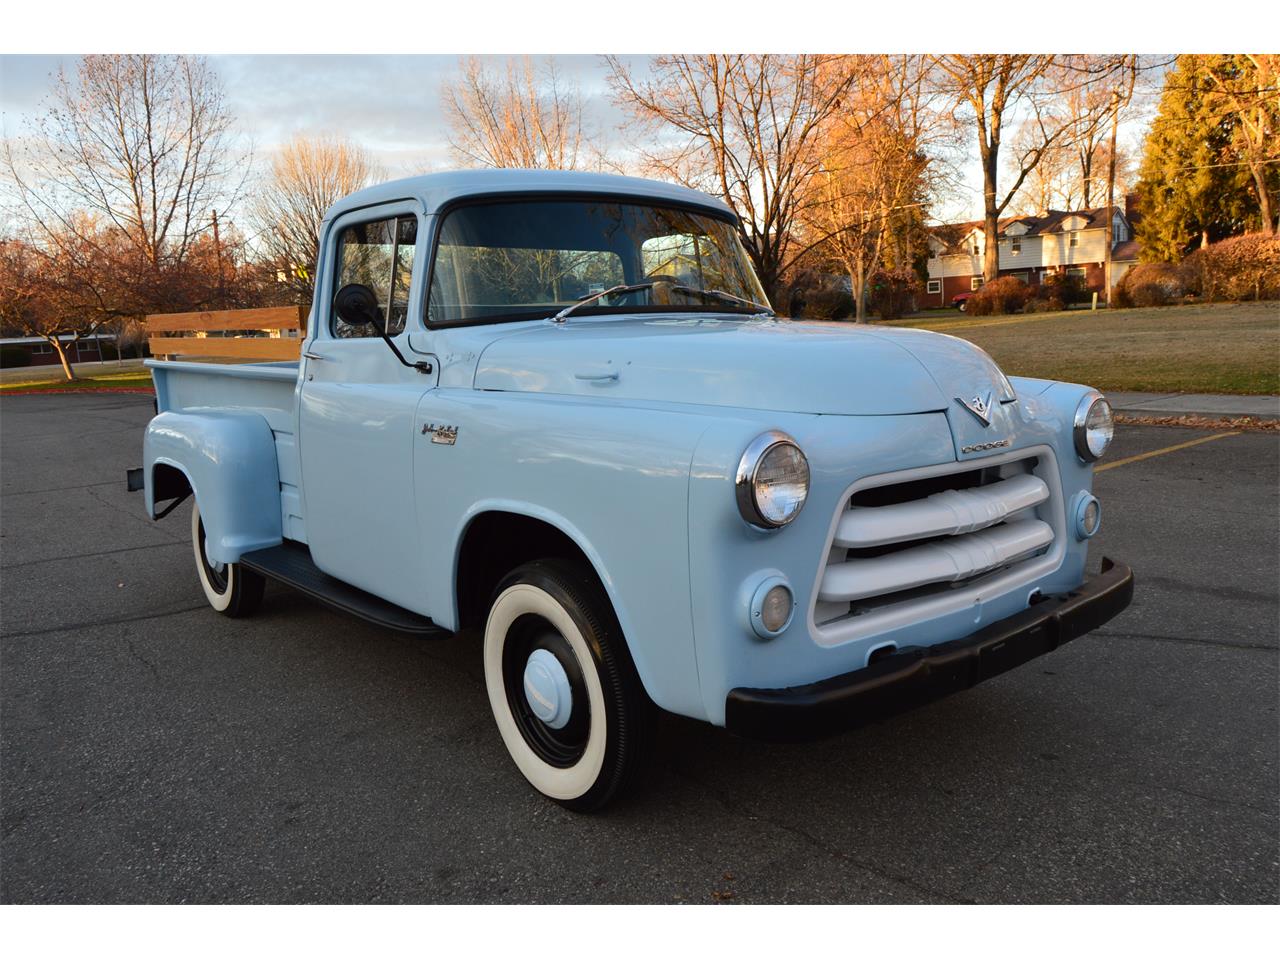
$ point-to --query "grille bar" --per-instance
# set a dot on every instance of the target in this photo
(949, 513)
(956, 558)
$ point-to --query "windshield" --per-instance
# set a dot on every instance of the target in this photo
(521, 259)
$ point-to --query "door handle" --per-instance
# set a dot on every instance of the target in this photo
(597, 377)
(314, 356)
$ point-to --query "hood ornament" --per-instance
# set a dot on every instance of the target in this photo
(979, 406)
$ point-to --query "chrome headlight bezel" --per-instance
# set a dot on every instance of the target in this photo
(745, 482)
(1080, 428)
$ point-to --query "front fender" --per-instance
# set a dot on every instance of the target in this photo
(229, 459)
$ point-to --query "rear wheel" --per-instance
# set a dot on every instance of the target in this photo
(564, 693)
(229, 587)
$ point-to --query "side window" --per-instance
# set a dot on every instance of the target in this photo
(378, 254)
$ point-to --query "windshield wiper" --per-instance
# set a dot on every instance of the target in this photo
(633, 287)
(726, 298)
(620, 288)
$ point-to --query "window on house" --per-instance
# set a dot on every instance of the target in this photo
(1076, 272)
(41, 348)
(933, 286)
(1015, 246)
(1022, 275)
(975, 249)
(1074, 241)
(975, 283)
(380, 256)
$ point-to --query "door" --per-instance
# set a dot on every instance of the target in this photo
(357, 410)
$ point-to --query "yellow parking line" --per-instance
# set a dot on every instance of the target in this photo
(1164, 450)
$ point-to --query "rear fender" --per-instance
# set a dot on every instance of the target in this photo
(229, 460)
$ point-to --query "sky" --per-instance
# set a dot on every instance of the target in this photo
(390, 104)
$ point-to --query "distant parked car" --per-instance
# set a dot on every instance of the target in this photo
(961, 300)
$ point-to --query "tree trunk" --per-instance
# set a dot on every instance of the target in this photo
(1264, 199)
(990, 218)
(858, 287)
(62, 357)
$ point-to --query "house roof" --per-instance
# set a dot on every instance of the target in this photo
(1128, 250)
(951, 234)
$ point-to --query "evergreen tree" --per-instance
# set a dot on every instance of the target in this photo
(1191, 189)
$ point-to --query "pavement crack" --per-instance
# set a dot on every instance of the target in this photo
(146, 521)
(1194, 641)
(1207, 798)
(80, 486)
(63, 628)
(100, 553)
(133, 652)
(739, 811)
(1223, 593)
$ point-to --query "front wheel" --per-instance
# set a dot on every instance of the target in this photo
(229, 587)
(565, 695)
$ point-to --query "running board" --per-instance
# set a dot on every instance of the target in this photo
(291, 564)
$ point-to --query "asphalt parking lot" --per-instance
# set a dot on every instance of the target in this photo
(153, 751)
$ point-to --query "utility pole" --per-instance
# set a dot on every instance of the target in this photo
(1111, 195)
(217, 249)
(1118, 100)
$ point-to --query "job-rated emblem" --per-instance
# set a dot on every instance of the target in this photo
(441, 433)
(980, 407)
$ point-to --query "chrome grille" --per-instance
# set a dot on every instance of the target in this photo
(916, 539)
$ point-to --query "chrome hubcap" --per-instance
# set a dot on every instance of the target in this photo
(546, 689)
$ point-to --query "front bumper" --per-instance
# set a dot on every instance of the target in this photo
(914, 676)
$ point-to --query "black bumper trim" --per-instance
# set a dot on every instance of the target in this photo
(914, 676)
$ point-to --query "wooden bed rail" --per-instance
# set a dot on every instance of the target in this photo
(283, 326)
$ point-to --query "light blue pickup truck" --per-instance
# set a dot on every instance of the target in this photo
(555, 409)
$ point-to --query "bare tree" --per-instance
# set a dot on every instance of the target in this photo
(995, 89)
(1121, 96)
(743, 127)
(141, 144)
(875, 175)
(525, 117)
(308, 175)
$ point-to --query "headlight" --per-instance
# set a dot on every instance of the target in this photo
(1094, 427)
(772, 482)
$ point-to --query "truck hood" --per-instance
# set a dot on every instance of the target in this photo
(752, 363)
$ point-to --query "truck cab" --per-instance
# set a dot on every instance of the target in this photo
(556, 410)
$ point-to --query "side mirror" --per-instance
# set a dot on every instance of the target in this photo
(357, 305)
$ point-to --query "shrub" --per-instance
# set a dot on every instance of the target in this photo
(14, 357)
(1002, 295)
(1149, 285)
(827, 303)
(1044, 305)
(891, 293)
(1239, 268)
(1064, 288)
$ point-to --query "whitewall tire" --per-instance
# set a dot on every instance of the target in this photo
(564, 693)
(229, 588)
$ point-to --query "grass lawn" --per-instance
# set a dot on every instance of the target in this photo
(1203, 348)
(54, 381)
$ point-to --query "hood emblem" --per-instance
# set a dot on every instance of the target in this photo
(980, 407)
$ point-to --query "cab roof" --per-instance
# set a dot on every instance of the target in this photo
(436, 190)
